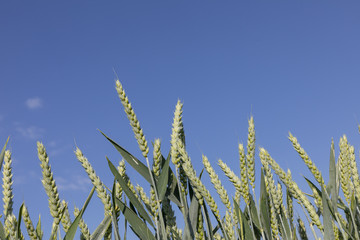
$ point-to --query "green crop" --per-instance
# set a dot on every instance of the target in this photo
(331, 211)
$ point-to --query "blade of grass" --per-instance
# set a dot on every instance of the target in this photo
(247, 232)
(114, 220)
(132, 198)
(134, 162)
(327, 221)
(72, 229)
(18, 230)
(138, 226)
(264, 207)
(100, 231)
(162, 182)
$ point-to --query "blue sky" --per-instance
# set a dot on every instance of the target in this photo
(293, 65)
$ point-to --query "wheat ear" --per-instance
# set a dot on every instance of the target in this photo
(65, 220)
(250, 154)
(139, 135)
(217, 183)
(157, 157)
(199, 235)
(99, 186)
(176, 129)
(302, 230)
(305, 157)
(83, 226)
(344, 165)
(243, 171)
(28, 223)
(354, 172)
(7, 185)
(121, 169)
(293, 188)
(49, 185)
(234, 179)
(199, 188)
(10, 226)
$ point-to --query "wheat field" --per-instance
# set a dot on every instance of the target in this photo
(177, 204)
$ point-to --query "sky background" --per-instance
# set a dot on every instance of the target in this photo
(293, 65)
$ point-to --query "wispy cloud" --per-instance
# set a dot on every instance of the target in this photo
(76, 183)
(34, 103)
(31, 132)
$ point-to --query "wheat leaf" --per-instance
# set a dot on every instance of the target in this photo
(134, 162)
(264, 207)
(100, 231)
(132, 198)
(137, 225)
(163, 179)
(70, 234)
(327, 220)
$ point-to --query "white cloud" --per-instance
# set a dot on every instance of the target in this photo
(34, 103)
(31, 132)
(76, 183)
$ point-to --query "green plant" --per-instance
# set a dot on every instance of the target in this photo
(174, 183)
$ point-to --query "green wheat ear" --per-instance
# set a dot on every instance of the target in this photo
(134, 122)
(49, 185)
(99, 186)
(305, 157)
(7, 185)
(29, 225)
(83, 227)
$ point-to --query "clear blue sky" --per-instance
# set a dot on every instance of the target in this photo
(293, 65)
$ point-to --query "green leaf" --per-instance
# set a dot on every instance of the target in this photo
(2, 231)
(100, 231)
(2, 154)
(313, 187)
(246, 230)
(72, 229)
(134, 162)
(194, 211)
(39, 232)
(163, 179)
(333, 175)
(114, 219)
(18, 230)
(254, 215)
(285, 226)
(264, 207)
(132, 198)
(138, 226)
(207, 221)
(327, 221)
